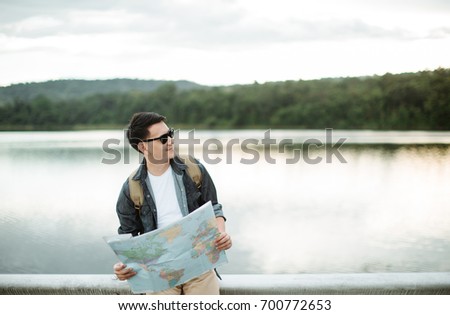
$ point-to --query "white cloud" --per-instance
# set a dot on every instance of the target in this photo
(220, 41)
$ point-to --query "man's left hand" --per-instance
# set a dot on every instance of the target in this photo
(223, 241)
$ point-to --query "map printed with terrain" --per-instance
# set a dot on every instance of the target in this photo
(172, 255)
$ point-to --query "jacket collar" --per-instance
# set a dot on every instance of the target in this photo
(177, 164)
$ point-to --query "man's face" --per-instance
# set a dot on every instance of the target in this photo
(155, 151)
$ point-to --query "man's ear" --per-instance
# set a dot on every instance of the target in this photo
(141, 147)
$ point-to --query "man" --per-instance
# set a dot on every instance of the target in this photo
(169, 194)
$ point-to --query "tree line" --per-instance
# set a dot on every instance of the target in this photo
(409, 101)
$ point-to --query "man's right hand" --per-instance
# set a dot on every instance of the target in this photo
(122, 272)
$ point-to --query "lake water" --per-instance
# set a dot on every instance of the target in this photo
(386, 209)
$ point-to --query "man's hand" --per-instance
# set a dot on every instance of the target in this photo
(122, 272)
(223, 241)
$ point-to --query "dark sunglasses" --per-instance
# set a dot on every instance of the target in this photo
(164, 138)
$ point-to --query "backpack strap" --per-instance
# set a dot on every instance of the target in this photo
(137, 193)
(193, 169)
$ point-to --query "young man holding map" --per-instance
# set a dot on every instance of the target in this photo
(169, 195)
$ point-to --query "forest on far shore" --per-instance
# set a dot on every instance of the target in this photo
(408, 101)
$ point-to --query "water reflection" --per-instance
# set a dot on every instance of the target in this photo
(386, 209)
(373, 213)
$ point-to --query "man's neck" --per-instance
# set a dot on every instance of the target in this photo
(157, 169)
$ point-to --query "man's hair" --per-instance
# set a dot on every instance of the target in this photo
(138, 127)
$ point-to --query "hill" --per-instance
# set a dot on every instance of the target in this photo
(76, 89)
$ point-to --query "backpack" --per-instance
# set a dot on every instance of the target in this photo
(137, 193)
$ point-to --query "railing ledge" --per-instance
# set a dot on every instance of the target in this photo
(243, 284)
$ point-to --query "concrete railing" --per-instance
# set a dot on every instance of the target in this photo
(285, 284)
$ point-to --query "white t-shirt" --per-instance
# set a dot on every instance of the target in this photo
(166, 200)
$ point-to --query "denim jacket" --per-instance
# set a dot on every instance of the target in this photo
(189, 198)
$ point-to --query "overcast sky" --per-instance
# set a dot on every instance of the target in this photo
(220, 42)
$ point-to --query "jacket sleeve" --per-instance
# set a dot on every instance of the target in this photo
(129, 219)
(209, 193)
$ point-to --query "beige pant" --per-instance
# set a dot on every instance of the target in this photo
(206, 284)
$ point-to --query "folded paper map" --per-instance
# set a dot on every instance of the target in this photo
(170, 256)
